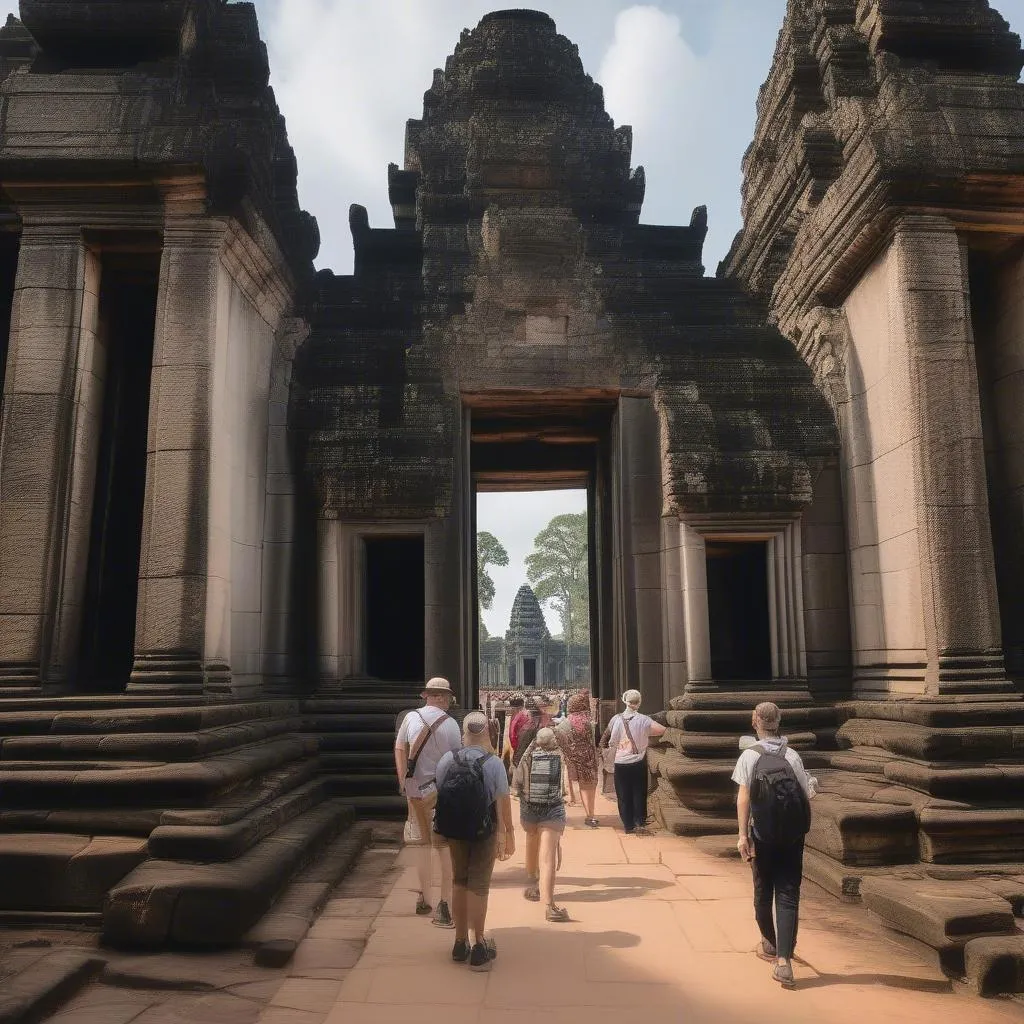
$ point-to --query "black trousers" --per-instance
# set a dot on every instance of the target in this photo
(777, 873)
(631, 793)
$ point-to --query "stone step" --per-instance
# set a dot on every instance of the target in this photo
(799, 719)
(391, 807)
(357, 705)
(51, 872)
(975, 835)
(143, 746)
(861, 832)
(943, 915)
(322, 724)
(207, 905)
(354, 762)
(746, 701)
(994, 964)
(932, 743)
(37, 992)
(937, 713)
(725, 745)
(375, 741)
(72, 716)
(183, 784)
(683, 822)
(364, 784)
(225, 842)
(969, 782)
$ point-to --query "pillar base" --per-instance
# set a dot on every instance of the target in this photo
(167, 674)
(23, 676)
(972, 674)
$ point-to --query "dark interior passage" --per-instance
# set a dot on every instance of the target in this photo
(395, 583)
(9, 245)
(738, 611)
(127, 316)
(529, 671)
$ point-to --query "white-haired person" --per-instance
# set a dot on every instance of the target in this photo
(539, 783)
(628, 734)
(474, 814)
(424, 735)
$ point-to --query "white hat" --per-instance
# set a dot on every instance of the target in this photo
(436, 685)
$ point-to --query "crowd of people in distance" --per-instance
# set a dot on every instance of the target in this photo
(460, 788)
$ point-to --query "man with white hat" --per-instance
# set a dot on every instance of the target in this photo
(424, 736)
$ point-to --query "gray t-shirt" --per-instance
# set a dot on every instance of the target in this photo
(743, 773)
(495, 777)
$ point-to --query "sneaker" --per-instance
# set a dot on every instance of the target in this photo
(443, 916)
(766, 951)
(492, 949)
(783, 974)
(460, 951)
(532, 893)
(556, 914)
(422, 907)
(591, 822)
(642, 830)
(479, 958)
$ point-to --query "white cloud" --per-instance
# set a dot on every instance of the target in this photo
(647, 67)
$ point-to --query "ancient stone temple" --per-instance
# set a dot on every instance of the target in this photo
(528, 655)
(237, 497)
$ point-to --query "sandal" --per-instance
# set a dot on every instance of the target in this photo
(556, 914)
(532, 893)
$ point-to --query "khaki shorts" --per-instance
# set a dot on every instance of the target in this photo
(473, 863)
(422, 809)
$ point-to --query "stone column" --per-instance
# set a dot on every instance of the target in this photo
(695, 605)
(958, 589)
(43, 522)
(183, 623)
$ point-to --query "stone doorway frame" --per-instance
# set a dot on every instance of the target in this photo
(785, 599)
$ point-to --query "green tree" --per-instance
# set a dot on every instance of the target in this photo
(558, 570)
(489, 551)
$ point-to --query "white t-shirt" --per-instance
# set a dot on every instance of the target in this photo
(743, 773)
(639, 729)
(447, 736)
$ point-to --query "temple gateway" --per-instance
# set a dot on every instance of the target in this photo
(237, 497)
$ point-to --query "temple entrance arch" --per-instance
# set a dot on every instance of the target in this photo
(538, 441)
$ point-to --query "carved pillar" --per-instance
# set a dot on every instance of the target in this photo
(958, 589)
(183, 623)
(44, 516)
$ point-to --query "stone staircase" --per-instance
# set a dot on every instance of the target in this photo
(692, 764)
(353, 724)
(164, 821)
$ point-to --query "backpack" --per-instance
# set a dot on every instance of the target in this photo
(545, 778)
(463, 810)
(778, 803)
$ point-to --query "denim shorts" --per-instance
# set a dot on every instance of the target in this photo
(542, 815)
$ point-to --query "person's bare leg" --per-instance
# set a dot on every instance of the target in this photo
(548, 853)
(532, 852)
(588, 795)
(445, 857)
(460, 912)
(477, 915)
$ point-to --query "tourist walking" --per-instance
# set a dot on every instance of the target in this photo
(474, 815)
(628, 734)
(575, 736)
(541, 708)
(518, 718)
(774, 813)
(539, 783)
(424, 736)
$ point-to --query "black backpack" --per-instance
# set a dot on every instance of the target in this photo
(463, 810)
(778, 803)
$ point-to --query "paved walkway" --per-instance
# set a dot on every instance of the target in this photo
(658, 927)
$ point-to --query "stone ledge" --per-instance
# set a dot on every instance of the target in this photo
(201, 905)
(943, 915)
(41, 988)
(859, 832)
(994, 965)
(276, 937)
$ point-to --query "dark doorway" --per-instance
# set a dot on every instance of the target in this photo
(127, 316)
(395, 608)
(738, 610)
(529, 671)
(9, 246)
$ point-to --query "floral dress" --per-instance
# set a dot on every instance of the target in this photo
(576, 738)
